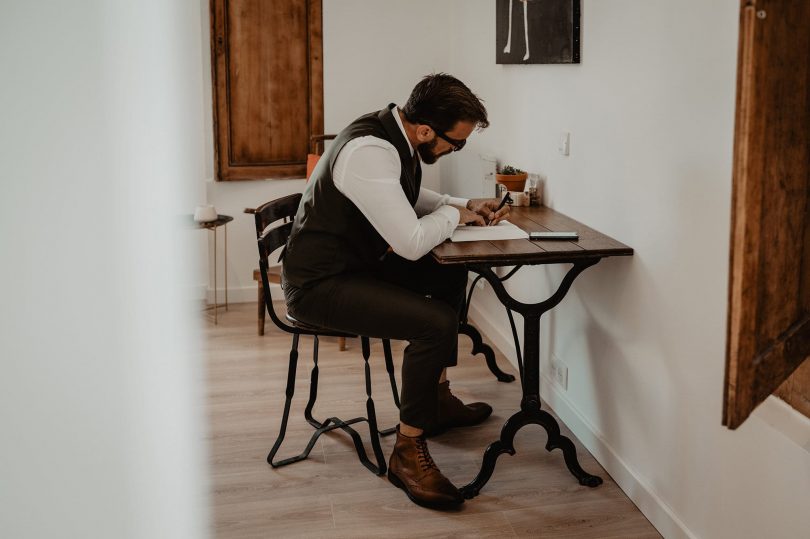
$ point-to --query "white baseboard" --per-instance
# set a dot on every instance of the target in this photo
(657, 511)
(784, 418)
(241, 294)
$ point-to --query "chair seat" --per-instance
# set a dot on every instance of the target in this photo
(320, 331)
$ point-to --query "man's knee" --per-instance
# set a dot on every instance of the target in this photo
(440, 322)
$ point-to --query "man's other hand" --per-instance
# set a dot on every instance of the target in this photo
(468, 217)
(485, 207)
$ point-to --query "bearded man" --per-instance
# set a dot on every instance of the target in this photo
(358, 260)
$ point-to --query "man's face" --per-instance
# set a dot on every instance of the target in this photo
(431, 150)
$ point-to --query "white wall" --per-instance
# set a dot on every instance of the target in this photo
(651, 116)
(101, 145)
(371, 58)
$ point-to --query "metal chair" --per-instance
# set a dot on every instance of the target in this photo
(275, 220)
(316, 148)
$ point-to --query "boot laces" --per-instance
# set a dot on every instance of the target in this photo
(423, 455)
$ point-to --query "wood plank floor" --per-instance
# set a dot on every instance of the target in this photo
(331, 494)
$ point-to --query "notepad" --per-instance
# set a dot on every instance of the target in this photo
(504, 230)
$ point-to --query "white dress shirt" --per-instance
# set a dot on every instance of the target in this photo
(367, 172)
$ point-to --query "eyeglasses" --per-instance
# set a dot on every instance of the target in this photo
(455, 143)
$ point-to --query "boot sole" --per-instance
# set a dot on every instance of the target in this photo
(397, 482)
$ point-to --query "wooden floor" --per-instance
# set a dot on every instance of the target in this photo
(331, 494)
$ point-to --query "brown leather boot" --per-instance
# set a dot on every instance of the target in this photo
(453, 413)
(412, 469)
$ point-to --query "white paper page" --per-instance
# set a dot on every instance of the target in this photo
(504, 230)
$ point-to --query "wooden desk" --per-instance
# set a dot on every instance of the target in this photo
(480, 257)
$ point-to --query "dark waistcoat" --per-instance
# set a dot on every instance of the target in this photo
(330, 235)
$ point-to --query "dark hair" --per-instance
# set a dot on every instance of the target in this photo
(442, 100)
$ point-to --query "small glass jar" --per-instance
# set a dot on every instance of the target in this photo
(531, 189)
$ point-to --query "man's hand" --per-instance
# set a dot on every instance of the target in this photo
(486, 207)
(467, 217)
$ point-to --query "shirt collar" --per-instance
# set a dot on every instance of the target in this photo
(402, 127)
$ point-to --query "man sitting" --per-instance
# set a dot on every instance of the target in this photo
(358, 260)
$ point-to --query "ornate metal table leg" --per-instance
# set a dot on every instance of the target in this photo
(530, 412)
(480, 347)
(505, 444)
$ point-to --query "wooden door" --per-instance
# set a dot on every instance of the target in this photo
(268, 86)
(769, 286)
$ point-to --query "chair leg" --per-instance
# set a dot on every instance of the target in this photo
(289, 395)
(389, 366)
(313, 387)
(262, 309)
(370, 410)
(331, 423)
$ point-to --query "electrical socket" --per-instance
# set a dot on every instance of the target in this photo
(559, 372)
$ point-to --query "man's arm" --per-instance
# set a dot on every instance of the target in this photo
(429, 201)
(367, 172)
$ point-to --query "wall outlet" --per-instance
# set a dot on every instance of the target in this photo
(559, 371)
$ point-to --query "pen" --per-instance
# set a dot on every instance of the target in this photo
(506, 200)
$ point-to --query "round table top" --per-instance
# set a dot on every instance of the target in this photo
(220, 220)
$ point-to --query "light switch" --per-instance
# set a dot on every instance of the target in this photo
(565, 144)
(489, 165)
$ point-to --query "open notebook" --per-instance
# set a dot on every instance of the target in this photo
(504, 230)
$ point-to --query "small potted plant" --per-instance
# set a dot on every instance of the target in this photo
(512, 178)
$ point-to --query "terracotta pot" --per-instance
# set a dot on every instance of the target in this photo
(512, 182)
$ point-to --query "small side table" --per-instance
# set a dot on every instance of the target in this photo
(221, 221)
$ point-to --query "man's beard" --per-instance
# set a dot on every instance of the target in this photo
(426, 153)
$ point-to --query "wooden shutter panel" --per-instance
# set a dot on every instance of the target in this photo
(769, 286)
(268, 86)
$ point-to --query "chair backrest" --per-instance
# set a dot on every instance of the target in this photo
(317, 144)
(271, 236)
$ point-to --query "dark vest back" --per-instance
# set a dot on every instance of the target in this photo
(330, 235)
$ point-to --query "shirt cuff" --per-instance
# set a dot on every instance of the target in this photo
(456, 201)
(452, 215)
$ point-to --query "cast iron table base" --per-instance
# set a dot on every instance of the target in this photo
(530, 412)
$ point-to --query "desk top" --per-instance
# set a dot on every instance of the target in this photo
(591, 244)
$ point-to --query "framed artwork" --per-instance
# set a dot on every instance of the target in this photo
(537, 31)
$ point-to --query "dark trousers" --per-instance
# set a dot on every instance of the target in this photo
(419, 302)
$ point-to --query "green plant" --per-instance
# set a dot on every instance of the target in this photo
(509, 170)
